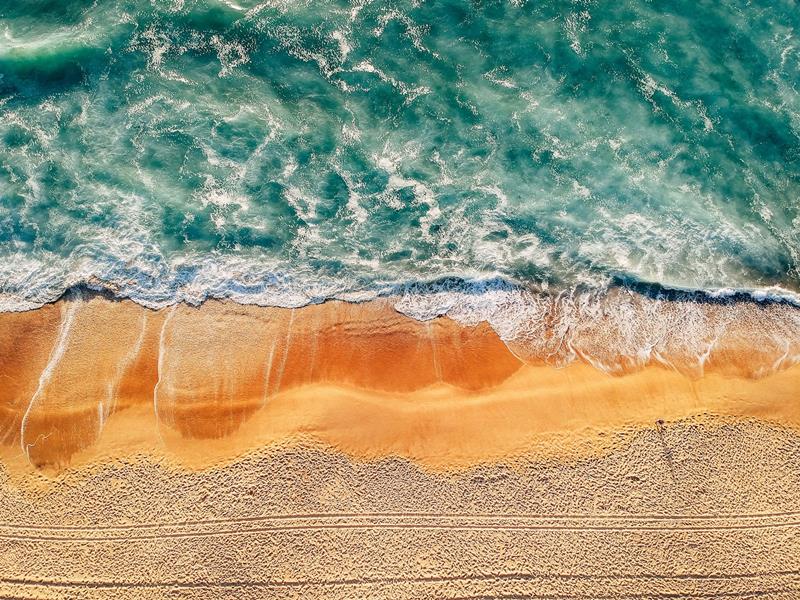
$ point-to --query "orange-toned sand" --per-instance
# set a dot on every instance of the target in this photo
(85, 381)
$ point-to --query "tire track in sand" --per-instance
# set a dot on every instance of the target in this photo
(397, 521)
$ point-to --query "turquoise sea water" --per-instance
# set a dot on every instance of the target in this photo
(284, 152)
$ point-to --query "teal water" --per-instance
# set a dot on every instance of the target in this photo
(284, 152)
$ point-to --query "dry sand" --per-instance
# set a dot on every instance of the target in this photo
(348, 451)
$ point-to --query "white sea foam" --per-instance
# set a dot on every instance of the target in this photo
(613, 328)
(618, 329)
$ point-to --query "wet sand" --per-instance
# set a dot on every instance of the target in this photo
(90, 380)
(377, 450)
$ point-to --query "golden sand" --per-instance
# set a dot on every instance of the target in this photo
(87, 381)
(345, 451)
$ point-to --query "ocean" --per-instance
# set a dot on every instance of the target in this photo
(630, 168)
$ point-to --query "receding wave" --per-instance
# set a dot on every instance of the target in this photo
(621, 329)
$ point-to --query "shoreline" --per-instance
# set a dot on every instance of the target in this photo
(95, 286)
(93, 380)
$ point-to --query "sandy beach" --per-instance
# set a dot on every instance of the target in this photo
(228, 450)
(92, 380)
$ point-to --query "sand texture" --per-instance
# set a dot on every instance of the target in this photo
(686, 512)
(348, 451)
